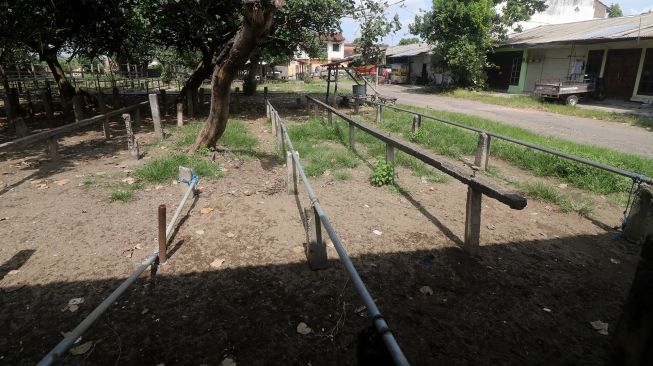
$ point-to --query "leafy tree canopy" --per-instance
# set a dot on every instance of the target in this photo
(407, 41)
(615, 11)
(464, 31)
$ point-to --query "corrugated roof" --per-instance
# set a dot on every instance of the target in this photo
(595, 30)
(407, 50)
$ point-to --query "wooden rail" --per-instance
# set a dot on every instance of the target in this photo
(477, 186)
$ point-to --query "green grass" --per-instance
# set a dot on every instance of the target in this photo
(235, 135)
(524, 101)
(167, 168)
(550, 194)
(341, 176)
(457, 143)
(121, 196)
(314, 86)
(318, 157)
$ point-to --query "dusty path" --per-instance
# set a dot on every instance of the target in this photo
(618, 136)
(237, 284)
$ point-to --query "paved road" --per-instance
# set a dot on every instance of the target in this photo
(618, 136)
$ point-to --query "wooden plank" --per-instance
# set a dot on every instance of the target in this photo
(37, 137)
(510, 198)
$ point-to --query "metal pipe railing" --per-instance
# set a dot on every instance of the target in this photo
(62, 347)
(379, 322)
(632, 175)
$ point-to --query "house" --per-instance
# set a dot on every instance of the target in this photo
(619, 50)
(303, 64)
(412, 64)
(565, 11)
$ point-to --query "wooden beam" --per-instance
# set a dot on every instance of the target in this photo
(513, 199)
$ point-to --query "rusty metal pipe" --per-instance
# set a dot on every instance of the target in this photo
(163, 238)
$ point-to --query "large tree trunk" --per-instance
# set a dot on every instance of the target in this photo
(256, 20)
(249, 84)
(66, 89)
(203, 70)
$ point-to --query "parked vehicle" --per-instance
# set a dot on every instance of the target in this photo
(572, 89)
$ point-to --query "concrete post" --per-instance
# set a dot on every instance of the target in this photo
(482, 151)
(132, 143)
(180, 114)
(389, 154)
(417, 123)
(156, 117)
(329, 118)
(274, 122)
(293, 174)
(352, 136)
(316, 249)
(356, 105)
(53, 150)
(379, 111)
(639, 223)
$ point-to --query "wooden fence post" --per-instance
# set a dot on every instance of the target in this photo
(293, 174)
(21, 127)
(116, 98)
(329, 118)
(389, 154)
(46, 98)
(356, 105)
(315, 248)
(379, 110)
(30, 105)
(77, 106)
(265, 94)
(105, 122)
(417, 123)
(180, 114)
(156, 116)
(132, 143)
(632, 339)
(53, 149)
(280, 139)
(475, 198)
(352, 136)
(164, 102)
(237, 101)
(274, 122)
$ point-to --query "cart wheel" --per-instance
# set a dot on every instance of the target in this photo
(572, 100)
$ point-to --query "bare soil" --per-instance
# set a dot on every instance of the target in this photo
(528, 297)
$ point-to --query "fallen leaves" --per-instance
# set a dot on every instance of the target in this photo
(231, 235)
(129, 180)
(73, 304)
(377, 232)
(62, 182)
(600, 327)
(199, 232)
(206, 210)
(82, 348)
(303, 328)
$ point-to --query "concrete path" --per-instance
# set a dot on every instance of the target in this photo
(618, 136)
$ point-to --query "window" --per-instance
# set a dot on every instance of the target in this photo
(646, 80)
(515, 71)
(336, 47)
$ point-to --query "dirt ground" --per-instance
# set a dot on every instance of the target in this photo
(527, 298)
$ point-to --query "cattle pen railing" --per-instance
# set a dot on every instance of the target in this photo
(417, 119)
(477, 186)
(165, 232)
(316, 248)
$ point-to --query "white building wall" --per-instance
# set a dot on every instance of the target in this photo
(335, 55)
(562, 11)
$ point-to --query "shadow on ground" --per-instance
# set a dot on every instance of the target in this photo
(488, 310)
